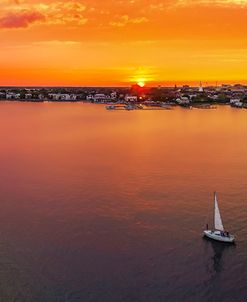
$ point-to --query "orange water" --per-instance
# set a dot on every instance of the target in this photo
(110, 206)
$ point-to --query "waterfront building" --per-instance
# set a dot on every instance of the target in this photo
(28, 96)
(183, 100)
(62, 96)
(131, 98)
(2, 95)
(13, 96)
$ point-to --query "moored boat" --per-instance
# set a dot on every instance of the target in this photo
(110, 107)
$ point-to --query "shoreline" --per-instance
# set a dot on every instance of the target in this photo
(195, 105)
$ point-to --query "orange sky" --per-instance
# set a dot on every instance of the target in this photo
(117, 42)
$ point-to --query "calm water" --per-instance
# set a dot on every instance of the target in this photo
(110, 206)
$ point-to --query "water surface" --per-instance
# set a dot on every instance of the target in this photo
(110, 206)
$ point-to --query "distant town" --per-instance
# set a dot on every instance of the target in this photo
(135, 97)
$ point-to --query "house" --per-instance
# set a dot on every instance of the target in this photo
(62, 97)
(234, 101)
(101, 97)
(28, 96)
(90, 97)
(2, 95)
(13, 96)
(98, 97)
(183, 100)
(131, 98)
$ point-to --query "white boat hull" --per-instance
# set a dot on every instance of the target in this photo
(216, 235)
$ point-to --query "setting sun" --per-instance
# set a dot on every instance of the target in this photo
(141, 83)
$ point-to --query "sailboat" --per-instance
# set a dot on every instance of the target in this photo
(219, 232)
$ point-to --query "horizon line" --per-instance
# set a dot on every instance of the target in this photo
(218, 84)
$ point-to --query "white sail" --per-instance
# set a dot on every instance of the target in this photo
(218, 225)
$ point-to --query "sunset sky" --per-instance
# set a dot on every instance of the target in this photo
(119, 42)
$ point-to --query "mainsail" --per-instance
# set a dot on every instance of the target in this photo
(218, 225)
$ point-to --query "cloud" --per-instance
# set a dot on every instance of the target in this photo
(125, 20)
(161, 6)
(157, 6)
(18, 14)
(21, 19)
(114, 13)
(222, 3)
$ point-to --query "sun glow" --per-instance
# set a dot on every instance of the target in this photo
(141, 83)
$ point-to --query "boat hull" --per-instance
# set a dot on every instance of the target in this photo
(216, 235)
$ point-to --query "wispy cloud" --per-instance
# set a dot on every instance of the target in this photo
(162, 6)
(222, 3)
(16, 14)
(121, 21)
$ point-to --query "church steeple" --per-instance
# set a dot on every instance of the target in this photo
(200, 87)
